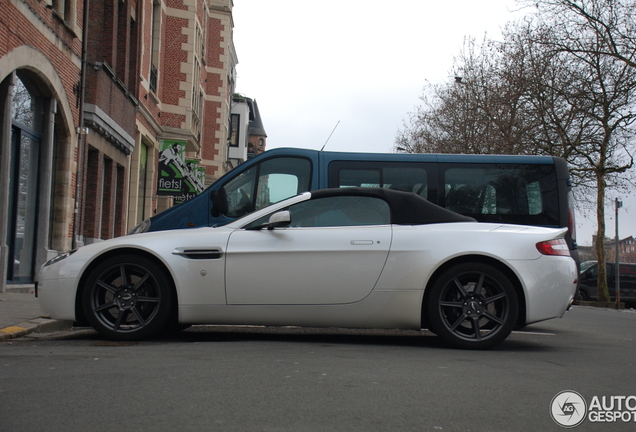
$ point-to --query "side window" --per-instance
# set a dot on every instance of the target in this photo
(407, 177)
(238, 193)
(335, 212)
(359, 178)
(267, 183)
(340, 211)
(503, 193)
(275, 187)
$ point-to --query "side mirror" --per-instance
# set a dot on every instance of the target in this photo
(279, 219)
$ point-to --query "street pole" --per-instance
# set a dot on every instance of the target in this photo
(617, 281)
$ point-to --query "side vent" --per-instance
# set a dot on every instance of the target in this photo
(199, 254)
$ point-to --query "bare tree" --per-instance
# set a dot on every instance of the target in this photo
(552, 86)
(480, 110)
(595, 39)
(613, 22)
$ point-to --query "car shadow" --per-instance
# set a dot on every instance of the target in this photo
(379, 337)
(519, 341)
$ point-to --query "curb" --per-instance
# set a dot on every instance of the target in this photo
(34, 325)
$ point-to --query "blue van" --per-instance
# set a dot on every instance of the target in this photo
(527, 190)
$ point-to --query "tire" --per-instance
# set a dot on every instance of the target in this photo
(582, 296)
(128, 297)
(472, 306)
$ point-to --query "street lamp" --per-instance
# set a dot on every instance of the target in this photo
(617, 204)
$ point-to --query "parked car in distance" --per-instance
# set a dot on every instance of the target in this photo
(345, 257)
(588, 282)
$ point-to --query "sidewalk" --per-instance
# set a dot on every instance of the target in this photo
(20, 315)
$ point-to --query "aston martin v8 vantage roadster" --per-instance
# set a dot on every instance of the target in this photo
(350, 257)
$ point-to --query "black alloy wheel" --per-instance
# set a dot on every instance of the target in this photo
(128, 297)
(472, 306)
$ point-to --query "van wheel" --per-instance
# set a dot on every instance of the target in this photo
(472, 306)
(127, 297)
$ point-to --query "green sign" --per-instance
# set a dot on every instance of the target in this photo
(179, 177)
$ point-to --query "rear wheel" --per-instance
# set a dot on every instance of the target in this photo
(473, 306)
(128, 297)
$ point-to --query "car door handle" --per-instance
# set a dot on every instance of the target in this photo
(362, 242)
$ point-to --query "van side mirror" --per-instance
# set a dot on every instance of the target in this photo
(279, 219)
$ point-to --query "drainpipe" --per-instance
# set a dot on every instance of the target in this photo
(82, 131)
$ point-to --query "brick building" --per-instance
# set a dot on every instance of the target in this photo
(40, 65)
(247, 134)
(145, 72)
(187, 77)
(626, 250)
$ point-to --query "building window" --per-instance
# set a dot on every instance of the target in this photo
(65, 10)
(23, 183)
(155, 42)
(234, 136)
(153, 78)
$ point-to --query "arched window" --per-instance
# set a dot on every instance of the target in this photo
(26, 128)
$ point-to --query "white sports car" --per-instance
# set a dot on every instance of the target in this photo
(356, 257)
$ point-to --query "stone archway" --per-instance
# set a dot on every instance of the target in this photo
(46, 144)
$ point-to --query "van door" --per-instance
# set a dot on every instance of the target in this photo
(266, 183)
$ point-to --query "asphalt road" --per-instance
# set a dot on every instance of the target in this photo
(265, 379)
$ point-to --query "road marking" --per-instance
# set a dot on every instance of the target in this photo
(12, 332)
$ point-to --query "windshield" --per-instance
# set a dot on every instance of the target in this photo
(586, 265)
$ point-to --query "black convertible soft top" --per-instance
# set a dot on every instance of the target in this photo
(406, 208)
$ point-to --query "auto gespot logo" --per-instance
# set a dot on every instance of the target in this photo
(569, 409)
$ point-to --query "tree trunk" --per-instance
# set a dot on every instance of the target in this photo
(602, 291)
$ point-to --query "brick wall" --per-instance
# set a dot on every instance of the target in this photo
(215, 43)
(108, 85)
(173, 56)
(24, 27)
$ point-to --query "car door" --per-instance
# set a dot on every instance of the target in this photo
(333, 252)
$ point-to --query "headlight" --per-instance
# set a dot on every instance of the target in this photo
(141, 228)
(59, 258)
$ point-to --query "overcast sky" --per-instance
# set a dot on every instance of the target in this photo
(362, 63)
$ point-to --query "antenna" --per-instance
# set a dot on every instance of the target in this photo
(334, 129)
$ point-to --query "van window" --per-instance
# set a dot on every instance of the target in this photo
(267, 183)
(407, 177)
(496, 193)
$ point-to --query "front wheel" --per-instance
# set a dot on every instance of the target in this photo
(472, 306)
(128, 297)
